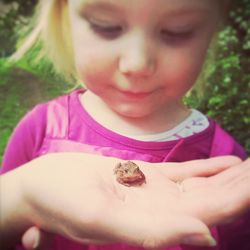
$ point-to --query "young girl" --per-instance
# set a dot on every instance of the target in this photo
(137, 59)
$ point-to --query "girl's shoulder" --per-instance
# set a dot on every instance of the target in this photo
(53, 116)
(30, 132)
(39, 114)
(54, 109)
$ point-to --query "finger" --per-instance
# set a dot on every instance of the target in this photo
(200, 168)
(229, 188)
(183, 230)
(31, 238)
(235, 190)
(238, 170)
(34, 238)
(151, 231)
(194, 232)
(101, 240)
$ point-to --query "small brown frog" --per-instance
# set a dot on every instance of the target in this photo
(129, 174)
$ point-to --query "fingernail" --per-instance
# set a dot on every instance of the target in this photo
(36, 242)
(200, 240)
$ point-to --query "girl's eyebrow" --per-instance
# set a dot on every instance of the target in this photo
(114, 7)
(90, 5)
(194, 10)
(188, 12)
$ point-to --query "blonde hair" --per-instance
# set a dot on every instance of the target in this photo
(51, 28)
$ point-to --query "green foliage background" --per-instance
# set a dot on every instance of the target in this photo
(225, 83)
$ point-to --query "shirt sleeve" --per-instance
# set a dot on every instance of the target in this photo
(224, 144)
(239, 151)
(26, 139)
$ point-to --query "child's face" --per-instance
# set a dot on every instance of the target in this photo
(140, 56)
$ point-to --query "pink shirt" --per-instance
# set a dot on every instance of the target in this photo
(63, 125)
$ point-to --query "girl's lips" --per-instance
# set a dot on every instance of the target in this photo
(134, 95)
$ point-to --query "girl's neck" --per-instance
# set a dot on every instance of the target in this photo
(160, 121)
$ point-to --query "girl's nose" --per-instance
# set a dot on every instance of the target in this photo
(137, 58)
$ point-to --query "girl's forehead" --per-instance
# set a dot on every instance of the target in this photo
(145, 8)
(133, 4)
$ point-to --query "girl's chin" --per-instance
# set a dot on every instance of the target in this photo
(131, 112)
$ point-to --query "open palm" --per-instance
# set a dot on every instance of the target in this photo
(82, 200)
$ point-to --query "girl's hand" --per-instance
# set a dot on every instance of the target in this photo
(77, 196)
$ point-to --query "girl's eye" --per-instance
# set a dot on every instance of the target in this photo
(108, 32)
(176, 36)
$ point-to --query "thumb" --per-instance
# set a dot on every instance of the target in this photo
(34, 238)
(183, 230)
(195, 232)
